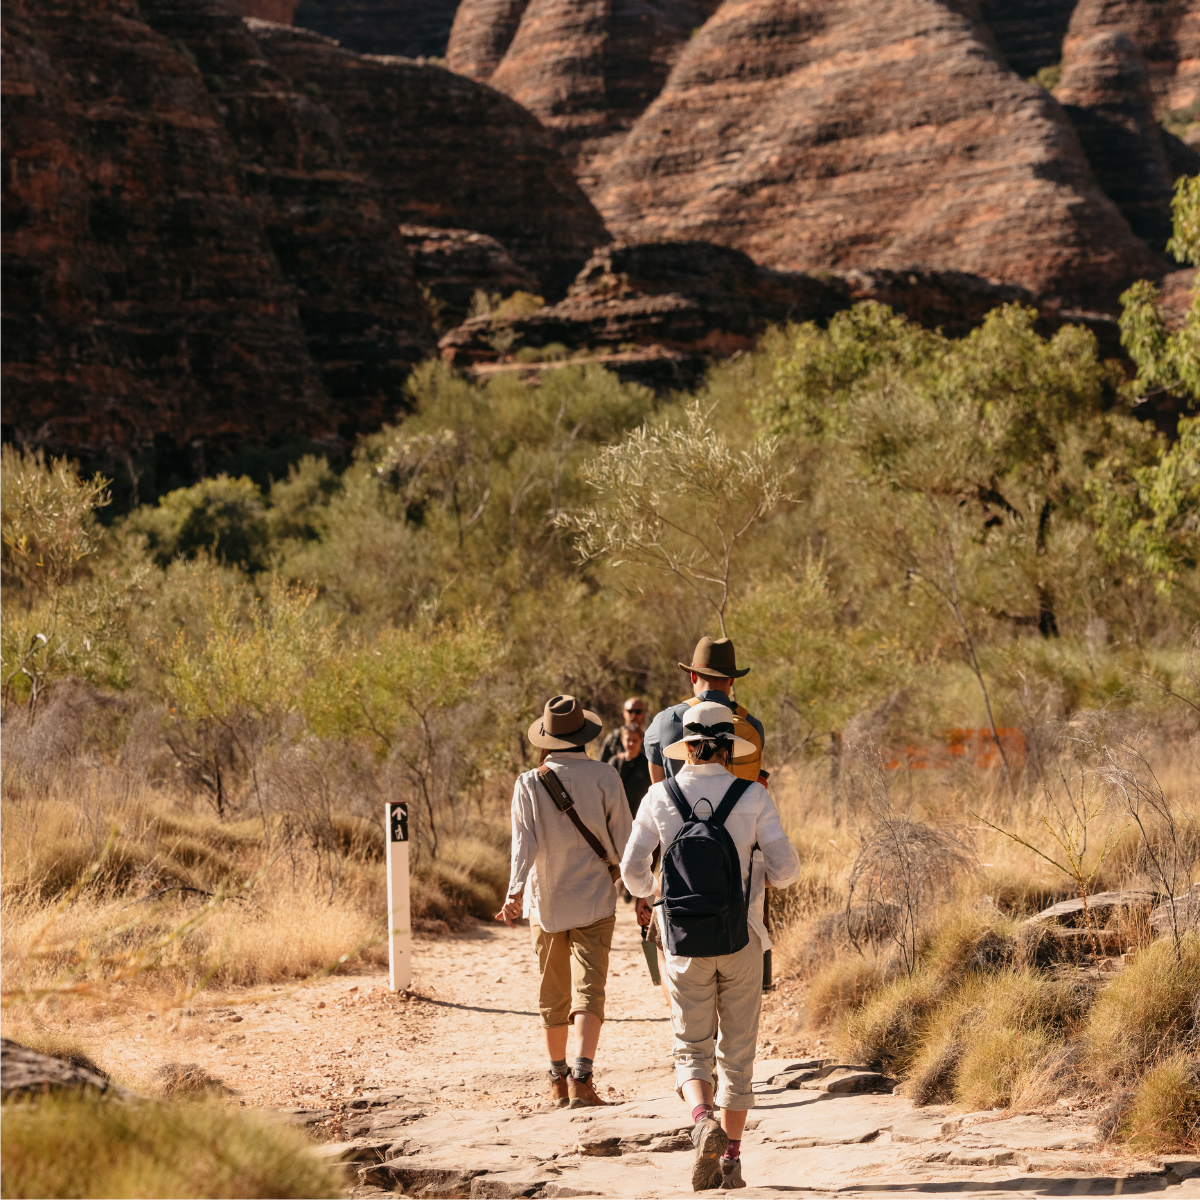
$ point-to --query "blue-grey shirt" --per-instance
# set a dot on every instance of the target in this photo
(667, 728)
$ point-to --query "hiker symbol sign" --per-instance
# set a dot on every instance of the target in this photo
(399, 917)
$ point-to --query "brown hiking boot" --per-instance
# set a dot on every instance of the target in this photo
(710, 1141)
(557, 1092)
(583, 1095)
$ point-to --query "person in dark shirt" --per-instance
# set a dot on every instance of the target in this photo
(632, 766)
(635, 714)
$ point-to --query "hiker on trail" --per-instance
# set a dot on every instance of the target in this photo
(722, 844)
(635, 714)
(712, 671)
(632, 766)
(570, 823)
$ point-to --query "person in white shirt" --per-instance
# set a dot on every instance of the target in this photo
(564, 878)
(732, 982)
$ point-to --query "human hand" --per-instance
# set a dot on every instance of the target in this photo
(644, 910)
(511, 910)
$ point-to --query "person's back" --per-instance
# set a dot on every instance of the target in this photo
(712, 672)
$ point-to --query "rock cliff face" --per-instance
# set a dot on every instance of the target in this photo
(411, 28)
(202, 241)
(660, 312)
(453, 154)
(818, 133)
(1105, 90)
(330, 223)
(586, 68)
(143, 305)
(1167, 32)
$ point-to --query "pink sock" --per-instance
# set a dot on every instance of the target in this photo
(701, 1112)
(733, 1151)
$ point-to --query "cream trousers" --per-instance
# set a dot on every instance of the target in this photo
(730, 985)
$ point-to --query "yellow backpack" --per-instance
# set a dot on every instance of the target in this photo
(746, 766)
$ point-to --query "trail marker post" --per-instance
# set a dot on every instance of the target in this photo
(399, 916)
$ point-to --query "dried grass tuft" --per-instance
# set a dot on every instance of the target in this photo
(1164, 1116)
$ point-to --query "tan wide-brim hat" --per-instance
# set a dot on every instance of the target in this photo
(564, 725)
(708, 720)
(715, 660)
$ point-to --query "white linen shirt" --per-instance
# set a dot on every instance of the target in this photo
(568, 885)
(754, 819)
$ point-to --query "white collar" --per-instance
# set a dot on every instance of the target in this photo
(567, 754)
(703, 769)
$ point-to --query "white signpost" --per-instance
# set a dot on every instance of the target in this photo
(399, 917)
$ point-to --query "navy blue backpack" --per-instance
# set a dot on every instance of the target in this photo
(702, 895)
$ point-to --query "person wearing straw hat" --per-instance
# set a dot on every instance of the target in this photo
(570, 823)
(703, 802)
(712, 672)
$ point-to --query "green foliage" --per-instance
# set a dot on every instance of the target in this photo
(223, 517)
(60, 617)
(201, 1149)
(1149, 516)
(257, 665)
(679, 498)
(1167, 361)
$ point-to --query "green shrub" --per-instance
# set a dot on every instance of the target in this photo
(93, 1147)
(223, 517)
(1146, 1013)
(1165, 1115)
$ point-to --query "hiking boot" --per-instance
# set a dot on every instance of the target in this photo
(582, 1094)
(731, 1174)
(557, 1092)
(710, 1141)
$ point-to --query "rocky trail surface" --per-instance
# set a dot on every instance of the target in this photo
(438, 1093)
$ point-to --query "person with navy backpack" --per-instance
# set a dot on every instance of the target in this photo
(722, 844)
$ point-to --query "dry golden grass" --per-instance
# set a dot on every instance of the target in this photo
(1165, 1115)
(86, 1147)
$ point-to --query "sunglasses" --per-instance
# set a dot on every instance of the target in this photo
(637, 712)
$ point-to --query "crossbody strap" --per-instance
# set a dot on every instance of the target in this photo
(564, 804)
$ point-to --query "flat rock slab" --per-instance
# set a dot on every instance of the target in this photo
(1029, 1133)
(925, 1125)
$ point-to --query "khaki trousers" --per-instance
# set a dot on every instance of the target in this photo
(574, 969)
(732, 984)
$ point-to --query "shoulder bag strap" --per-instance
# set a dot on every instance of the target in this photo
(564, 803)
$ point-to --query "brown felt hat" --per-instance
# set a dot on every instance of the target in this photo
(715, 660)
(564, 725)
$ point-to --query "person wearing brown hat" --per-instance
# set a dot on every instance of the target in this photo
(712, 671)
(570, 823)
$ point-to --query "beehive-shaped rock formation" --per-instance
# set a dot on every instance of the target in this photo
(842, 133)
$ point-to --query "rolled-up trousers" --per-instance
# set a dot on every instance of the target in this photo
(730, 984)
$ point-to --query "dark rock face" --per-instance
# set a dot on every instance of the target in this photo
(1028, 33)
(412, 28)
(839, 133)
(467, 158)
(142, 301)
(202, 230)
(328, 220)
(1105, 90)
(659, 312)
(279, 11)
(454, 264)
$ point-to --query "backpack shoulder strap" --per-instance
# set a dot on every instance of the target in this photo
(678, 798)
(733, 794)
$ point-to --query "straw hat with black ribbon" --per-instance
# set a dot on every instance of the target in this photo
(709, 721)
(715, 660)
(564, 725)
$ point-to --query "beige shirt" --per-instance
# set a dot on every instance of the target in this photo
(568, 885)
(754, 820)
